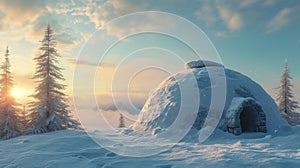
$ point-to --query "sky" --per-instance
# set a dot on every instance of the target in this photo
(253, 37)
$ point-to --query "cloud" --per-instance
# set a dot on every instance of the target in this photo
(232, 19)
(67, 36)
(28, 20)
(230, 14)
(282, 19)
(108, 108)
(269, 2)
(107, 103)
(95, 118)
(102, 11)
(207, 13)
(248, 3)
(221, 33)
(17, 17)
(141, 22)
(127, 6)
(90, 13)
(20, 12)
(74, 61)
(235, 22)
(101, 14)
(235, 15)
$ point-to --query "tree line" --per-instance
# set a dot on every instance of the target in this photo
(49, 110)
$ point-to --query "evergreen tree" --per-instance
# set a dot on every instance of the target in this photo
(9, 107)
(49, 111)
(121, 121)
(24, 119)
(285, 98)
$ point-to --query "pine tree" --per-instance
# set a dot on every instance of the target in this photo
(285, 98)
(9, 107)
(121, 121)
(24, 119)
(49, 111)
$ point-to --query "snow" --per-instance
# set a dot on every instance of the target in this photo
(76, 149)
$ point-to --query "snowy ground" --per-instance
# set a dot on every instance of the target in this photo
(76, 149)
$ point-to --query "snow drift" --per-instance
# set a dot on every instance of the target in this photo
(248, 108)
(76, 149)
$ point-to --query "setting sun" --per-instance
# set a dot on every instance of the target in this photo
(16, 93)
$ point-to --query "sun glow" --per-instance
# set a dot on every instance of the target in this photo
(17, 93)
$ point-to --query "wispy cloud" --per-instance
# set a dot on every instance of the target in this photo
(207, 13)
(228, 17)
(140, 23)
(20, 12)
(248, 3)
(114, 102)
(99, 12)
(232, 18)
(221, 33)
(269, 2)
(74, 61)
(212, 13)
(282, 19)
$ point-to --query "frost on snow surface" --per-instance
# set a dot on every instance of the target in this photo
(248, 108)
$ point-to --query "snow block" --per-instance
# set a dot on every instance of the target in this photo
(201, 64)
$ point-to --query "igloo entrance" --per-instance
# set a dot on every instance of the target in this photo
(248, 118)
(245, 115)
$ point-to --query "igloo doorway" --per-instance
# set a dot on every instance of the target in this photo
(245, 115)
(248, 119)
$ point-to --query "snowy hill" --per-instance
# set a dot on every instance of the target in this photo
(76, 149)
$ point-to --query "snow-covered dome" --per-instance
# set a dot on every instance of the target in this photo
(248, 108)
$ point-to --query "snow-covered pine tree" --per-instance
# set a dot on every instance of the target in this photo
(285, 98)
(49, 111)
(24, 119)
(121, 121)
(9, 108)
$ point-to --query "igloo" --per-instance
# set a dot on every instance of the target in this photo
(248, 108)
